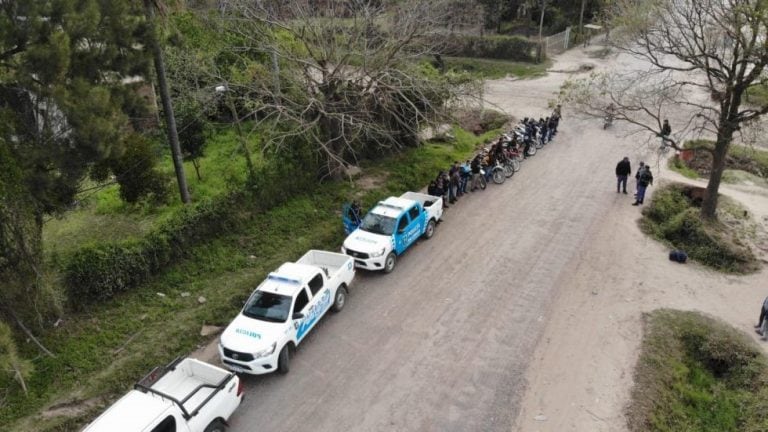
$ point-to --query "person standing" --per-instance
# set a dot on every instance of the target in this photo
(623, 170)
(637, 176)
(475, 167)
(761, 322)
(645, 179)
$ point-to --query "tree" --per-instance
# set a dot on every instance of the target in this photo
(192, 137)
(702, 57)
(61, 110)
(351, 78)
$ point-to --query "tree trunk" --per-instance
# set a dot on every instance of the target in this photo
(196, 164)
(540, 53)
(709, 205)
(165, 97)
(581, 18)
(241, 136)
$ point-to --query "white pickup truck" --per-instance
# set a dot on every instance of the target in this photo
(186, 396)
(283, 309)
(391, 227)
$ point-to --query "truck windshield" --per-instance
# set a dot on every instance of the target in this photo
(267, 306)
(378, 224)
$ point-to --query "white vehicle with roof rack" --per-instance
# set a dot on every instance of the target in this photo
(187, 395)
(391, 227)
(283, 309)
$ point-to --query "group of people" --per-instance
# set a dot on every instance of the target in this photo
(643, 177)
(462, 178)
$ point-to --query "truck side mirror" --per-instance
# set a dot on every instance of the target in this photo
(298, 316)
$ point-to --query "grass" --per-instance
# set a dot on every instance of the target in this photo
(89, 360)
(696, 373)
(757, 95)
(739, 176)
(102, 215)
(672, 218)
(740, 157)
(495, 69)
(678, 165)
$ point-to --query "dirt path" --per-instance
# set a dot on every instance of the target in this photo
(581, 373)
(522, 313)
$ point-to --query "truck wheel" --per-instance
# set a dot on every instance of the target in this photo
(216, 426)
(430, 231)
(340, 300)
(389, 263)
(283, 359)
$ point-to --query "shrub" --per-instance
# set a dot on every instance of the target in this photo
(97, 272)
(136, 173)
(100, 271)
(697, 373)
(672, 218)
(496, 47)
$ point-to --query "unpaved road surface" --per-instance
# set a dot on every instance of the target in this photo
(442, 343)
(526, 303)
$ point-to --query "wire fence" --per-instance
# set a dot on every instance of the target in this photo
(558, 43)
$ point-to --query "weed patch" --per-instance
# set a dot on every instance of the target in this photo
(678, 165)
(672, 218)
(740, 157)
(495, 69)
(699, 374)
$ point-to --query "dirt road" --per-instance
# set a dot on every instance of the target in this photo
(442, 343)
(548, 270)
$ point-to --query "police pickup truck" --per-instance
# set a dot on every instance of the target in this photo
(185, 396)
(283, 309)
(391, 227)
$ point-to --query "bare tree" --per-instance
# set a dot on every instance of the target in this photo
(353, 75)
(703, 56)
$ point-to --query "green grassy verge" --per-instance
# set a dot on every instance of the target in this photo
(102, 215)
(106, 349)
(495, 69)
(698, 374)
(672, 218)
(740, 157)
(678, 165)
(757, 95)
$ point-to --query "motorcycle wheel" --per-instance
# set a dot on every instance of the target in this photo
(509, 169)
(498, 176)
(483, 183)
(532, 150)
(516, 163)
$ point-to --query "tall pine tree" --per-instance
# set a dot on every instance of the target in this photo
(63, 107)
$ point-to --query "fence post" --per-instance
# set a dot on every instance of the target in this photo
(567, 37)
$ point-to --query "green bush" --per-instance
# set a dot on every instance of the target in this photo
(495, 47)
(672, 218)
(136, 172)
(697, 374)
(99, 271)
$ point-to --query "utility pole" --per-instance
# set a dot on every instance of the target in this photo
(165, 97)
(541, 31)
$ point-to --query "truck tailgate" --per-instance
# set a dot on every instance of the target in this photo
(330, 262)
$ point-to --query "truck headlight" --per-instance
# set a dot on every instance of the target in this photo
(265, 352)
(379, 253)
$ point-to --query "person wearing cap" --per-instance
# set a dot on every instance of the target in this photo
(623, 170)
